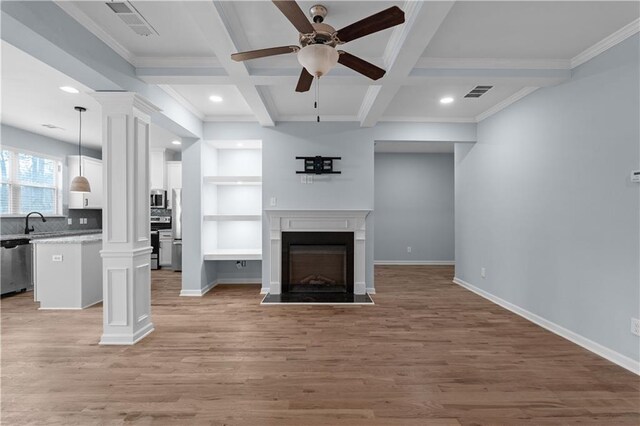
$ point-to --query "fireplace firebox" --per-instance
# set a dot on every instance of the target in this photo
(317, 262)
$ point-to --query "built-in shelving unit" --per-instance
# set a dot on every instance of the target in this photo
(232, 200)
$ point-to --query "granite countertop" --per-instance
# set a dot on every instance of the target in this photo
(75, 239)
(49, 235)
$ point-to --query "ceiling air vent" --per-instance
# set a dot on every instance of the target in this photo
(478, 91)
(132, 18)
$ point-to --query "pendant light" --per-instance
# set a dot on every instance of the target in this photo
(80, 183)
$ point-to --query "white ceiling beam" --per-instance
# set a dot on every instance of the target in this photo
(405, 47)
(213, 24)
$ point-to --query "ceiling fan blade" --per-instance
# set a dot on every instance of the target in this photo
(295, 15)
(261, 53)
(360, 65)
(380, 21)
(304, 82)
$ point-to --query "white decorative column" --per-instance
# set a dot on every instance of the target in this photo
(126, 242)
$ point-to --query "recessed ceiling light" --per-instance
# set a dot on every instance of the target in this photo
(446, 100)
(176, 142)
(239, 144)
(69, 89)
(215, 98)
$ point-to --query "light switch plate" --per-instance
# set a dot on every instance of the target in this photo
(69, 221)
(56, 258)
(273, 202)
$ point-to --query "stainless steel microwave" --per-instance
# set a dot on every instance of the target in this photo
(158, 199)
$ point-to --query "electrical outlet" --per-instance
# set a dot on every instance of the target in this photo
(273, 202)
(409, 249)
(483, 272)
(635, 326)
(303, 178)
(310, 179)
(69, 221)
(56, 258)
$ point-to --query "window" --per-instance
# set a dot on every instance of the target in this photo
(29, 182)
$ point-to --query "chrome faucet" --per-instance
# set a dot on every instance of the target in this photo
(26, 222)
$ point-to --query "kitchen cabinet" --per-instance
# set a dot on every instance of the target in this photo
(157, 179)
(67, 271)
(92, 170)
(174, 179)
(166, 241)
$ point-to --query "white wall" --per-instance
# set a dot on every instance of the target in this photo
(544, 202)
(414, 205)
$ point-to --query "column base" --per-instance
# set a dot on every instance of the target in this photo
(127, 339)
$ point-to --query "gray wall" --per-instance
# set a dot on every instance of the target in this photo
(353, 189)
(545, 203)
(414, 205)
(22, 139)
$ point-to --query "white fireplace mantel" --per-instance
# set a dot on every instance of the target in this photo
(317, 221)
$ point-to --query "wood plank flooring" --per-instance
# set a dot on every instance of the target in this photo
(428, 353)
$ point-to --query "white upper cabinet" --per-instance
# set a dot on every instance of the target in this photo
(92, 170)
(157, 178)
(174, 179)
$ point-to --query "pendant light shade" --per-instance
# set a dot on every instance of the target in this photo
(80, 183)
(318, 59)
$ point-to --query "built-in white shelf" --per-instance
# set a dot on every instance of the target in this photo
(233, 180)
(232, 217)
(234, 254)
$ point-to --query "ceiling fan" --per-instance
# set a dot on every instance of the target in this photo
(318, 41)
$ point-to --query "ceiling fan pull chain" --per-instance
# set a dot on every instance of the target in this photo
(318, 99)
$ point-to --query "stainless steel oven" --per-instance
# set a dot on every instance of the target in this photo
(158, 199)
(157, 223)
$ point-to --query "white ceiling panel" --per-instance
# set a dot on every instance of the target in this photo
(415, 102)
(531, 30)
(177, 36)
(31, 97)
(334, 101)
(233, 104)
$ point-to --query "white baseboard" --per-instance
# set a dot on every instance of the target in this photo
(239, 281)
(415, 262)
(609, 354)
(202, 292)
(198, 293)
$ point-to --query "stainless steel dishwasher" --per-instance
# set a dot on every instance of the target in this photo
(16, 257)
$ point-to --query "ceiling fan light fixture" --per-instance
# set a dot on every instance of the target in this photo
(318, 59)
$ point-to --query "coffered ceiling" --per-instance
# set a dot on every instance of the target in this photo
(444, 48)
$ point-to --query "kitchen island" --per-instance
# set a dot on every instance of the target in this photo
(67, 271)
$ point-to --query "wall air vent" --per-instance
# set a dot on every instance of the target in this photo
(478, 91)
(132, 18)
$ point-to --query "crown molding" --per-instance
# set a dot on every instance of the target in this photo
(83, 19)
(606, 43)
(181, 100)
(493, 63)
(229, 118)
(175, 62)
(420, 119)
(505, 103)
(313, 118)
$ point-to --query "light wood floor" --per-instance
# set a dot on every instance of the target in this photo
(429, 352)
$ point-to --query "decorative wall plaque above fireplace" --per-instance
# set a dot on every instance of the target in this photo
(317, 262)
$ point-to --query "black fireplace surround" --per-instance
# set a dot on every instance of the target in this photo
(317, 262)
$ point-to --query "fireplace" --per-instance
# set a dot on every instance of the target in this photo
(317, 262)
